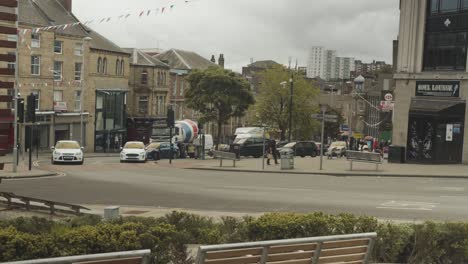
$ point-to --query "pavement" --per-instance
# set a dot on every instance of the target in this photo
(339, 167)
(23, 171)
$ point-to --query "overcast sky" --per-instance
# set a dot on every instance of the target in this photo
(244, 29)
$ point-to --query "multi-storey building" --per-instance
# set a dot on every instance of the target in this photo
(80, 79)
(325, 64)
(430, 116)
(149, 94)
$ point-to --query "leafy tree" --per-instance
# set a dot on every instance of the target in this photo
(272, 107)
(332, 130)
(218, 95)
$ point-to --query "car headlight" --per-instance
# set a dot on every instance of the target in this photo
(56, 153)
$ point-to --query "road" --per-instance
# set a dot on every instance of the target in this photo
(104, 181)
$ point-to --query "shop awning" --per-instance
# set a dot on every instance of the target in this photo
(437, 106)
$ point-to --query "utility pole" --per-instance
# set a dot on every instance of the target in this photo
(82, 82)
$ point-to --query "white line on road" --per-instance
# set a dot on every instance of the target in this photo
(407, 205)
(401, 208)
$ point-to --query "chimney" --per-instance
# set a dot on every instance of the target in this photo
(213, 60)
(67, 4)
(221, 60)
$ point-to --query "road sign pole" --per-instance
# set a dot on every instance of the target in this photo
(321, 145)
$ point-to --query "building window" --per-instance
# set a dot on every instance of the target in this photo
(104, 66)
(35, 40)
(445, 51)
(58, 96)
(143, 104)
(12, 65)
(77, 100)
(58, 66)
(174, 88)
(99, 65)
(122, 68)
(447, 6)
(37, 98)
(158, 80)
(117, 67)
(465, 4)
(58, 47)
(78, 49)
(181, 112)
(78, 69)
(182, 83)
(144, 77)
(35, 65)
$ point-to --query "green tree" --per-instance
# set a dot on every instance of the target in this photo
(332, 130)
(272, 107)
(218, 95)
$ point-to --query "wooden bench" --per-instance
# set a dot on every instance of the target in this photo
(127, 257)
(364, 156)
(222, 155)
(349, 249)
(26, 203)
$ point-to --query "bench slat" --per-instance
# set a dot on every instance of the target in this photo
(343, 251)
(292, 248)
(302, 261)
(291, 256)
(233, 253)
(240, 260)
(347, 258)
(137, 260)
(345, 244)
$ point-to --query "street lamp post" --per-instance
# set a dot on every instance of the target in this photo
(291, 81)
(83, 74)
(323, 108)
(16, 95)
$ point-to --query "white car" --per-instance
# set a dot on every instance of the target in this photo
(133, 151)
(67, 151)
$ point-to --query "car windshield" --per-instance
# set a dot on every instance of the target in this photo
(290, 145)
(338, 144)
(154, 145)
(134, 145)
(67, 145)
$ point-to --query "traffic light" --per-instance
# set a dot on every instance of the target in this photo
(21, 110)
(170, 117)
(31, 108)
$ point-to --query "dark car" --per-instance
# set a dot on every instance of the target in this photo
(252, 146)
(162, 150)
(302, 148)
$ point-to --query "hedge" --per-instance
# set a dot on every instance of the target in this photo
(31, 238)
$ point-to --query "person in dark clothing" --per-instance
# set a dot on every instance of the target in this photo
(272, 151)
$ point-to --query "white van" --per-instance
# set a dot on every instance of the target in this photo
(208, 142)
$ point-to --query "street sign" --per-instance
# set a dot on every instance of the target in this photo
(388, 97)
(317, 116)
(331, 120)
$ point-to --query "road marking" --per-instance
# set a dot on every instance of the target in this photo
(407, 205)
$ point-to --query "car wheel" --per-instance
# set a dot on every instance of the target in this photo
(81, 163)
(53, 162)
(302, 156)
(314, 154)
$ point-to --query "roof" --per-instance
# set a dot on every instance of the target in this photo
(41, 13)
(138, 57)
(264, 64)
(184, 60)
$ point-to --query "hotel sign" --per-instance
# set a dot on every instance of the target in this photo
(438, 88)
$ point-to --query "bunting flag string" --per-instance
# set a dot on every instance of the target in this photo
(140, 14)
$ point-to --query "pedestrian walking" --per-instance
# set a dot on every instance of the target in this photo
(274, 150)
(269, 152)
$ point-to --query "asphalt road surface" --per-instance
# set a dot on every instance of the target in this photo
(104, 181)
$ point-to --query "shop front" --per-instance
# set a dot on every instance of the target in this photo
(436, 123)
(111, 119)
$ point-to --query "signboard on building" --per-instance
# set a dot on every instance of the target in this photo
(438, 88)
(60, 107)
(449, 134)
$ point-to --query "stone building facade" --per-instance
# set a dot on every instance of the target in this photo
(431, 89)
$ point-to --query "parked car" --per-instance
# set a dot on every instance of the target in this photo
(67, 151)
(162, 150)
(133, 151)
(302, 148)
(252, 146)
(337, 149)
